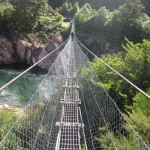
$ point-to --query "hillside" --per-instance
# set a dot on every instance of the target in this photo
(96, 4)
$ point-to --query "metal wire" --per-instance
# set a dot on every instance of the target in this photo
(71, 110)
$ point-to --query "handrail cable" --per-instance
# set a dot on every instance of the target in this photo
(20, 75)
(141, 91)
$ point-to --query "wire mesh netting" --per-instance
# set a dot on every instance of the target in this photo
(71, 110)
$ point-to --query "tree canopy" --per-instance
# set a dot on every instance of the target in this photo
(27, 16)
(136, 67)
(110, 27)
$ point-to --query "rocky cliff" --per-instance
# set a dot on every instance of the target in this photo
(21, 51)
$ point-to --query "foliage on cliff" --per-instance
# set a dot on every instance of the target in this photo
(106, 29)
(28, 16)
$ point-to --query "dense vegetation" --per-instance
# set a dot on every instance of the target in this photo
(18, 16)
(136, 67)
(7, 118)
(119, 29)
(106, 30)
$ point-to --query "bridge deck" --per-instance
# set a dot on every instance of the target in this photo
(69, 125)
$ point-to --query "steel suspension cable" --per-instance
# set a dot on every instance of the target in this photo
(124, 78)
(28, 102)
(20, 75)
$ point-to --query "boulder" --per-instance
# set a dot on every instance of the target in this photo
(21, 50)
(51, 46)
(33, 60)
(1, 59)
(45, 63)
(6, 44)
(5, 61)
(6, 51)
(55, 39)
(28, 56)
(53, 43)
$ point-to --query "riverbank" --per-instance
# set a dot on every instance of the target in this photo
(24, 50)
(13, 109)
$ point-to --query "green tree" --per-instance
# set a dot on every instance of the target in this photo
(135, 66)
(65, 9)
(25, 14)
(143, 24)
(137, 63)
(6, 10)
(124, 22)
(56, 3)
(83, 18)
(130, 141)
(140, 116)
(75, 9)
(142, 103)
(109, 4)
(96, 4)
(115, 86)
(100, 20)
(146, 3)
(7, 118)
(109, 28)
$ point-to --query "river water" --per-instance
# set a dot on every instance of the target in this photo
(19, 93)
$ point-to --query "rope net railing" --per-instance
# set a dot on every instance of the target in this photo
(71, 110)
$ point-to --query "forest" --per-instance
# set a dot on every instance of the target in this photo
(118, 31)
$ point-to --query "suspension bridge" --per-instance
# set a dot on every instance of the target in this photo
(74, 113)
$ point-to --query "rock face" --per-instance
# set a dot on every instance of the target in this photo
(6, 51)
(28, 53)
